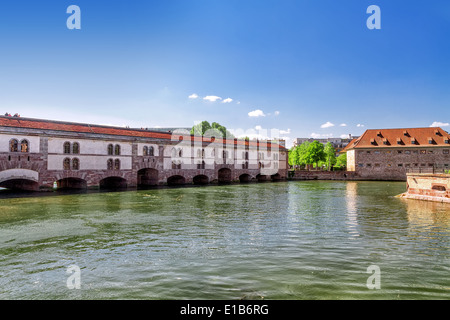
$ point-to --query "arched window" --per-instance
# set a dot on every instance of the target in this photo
(110, 149)
(110, 164)
(145, 151)
(76, 148)
(13, 145)
(180, 153)
(117, 150)
(75, 164)
(24, 146)
(246, 155)
(199, 153)
(117, 164)
(67, 147)
(66, 164)
(174, 152)
(151, 151)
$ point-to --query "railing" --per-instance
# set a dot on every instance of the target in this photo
(429, 170)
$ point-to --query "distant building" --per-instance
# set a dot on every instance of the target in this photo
(388, 154)
(338, 143)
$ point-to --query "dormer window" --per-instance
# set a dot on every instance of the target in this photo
(372, 141)
(446, 140)
(399, 141)
(413, 141)
(379, 134)
(385, 141)
(436, 132)
(405, 133)
(430, 141)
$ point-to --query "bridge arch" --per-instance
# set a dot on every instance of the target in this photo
(19, 179)
(71, 183)
(245, 177)
(147, 177)
(201, 179)
(113, 182)
(176, 180)
(224, 175)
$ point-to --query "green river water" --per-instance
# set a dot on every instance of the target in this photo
(283, 240)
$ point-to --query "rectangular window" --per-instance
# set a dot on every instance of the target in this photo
(445, 151)
(360, 165)
(368, 165)
(400, 165)
(430, 151)
(423, 151)
(415, 151)
(407, 152)
(422, 164)
(399, 151)
(389, 151)
(377, 165)
(376, 152)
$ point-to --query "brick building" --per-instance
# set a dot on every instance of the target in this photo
(37, 154)
(388, 154)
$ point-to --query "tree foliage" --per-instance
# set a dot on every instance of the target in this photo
(330, 155)
(215, 129)
(308, 153)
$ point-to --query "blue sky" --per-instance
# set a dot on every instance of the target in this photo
(303, 67)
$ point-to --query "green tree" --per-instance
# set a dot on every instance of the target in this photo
(330, 155)
(341, 161)
(214, 129)
(200, 128)
(302, 151)
(315, 153)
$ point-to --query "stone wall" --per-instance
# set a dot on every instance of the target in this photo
(431, 187)
(394, 163)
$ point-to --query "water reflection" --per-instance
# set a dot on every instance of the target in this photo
(351, 197)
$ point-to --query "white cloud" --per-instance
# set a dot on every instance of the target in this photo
(238, 102)
(318, 135)
(258, 128)
(193, 96)
(440, 124)
(288, 131)
(360, 125)
(327, 125)
(256, 113)
(227, 100)
(276, 113)
(212, 98)
(344, 136)
(343, 125)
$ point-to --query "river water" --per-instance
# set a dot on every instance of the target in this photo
(286, 240)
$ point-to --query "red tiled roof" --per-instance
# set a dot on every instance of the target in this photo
(394, 138)
(29, 123)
